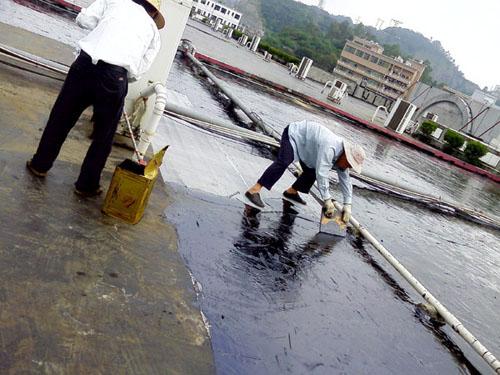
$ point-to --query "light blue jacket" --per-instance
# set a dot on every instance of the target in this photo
(319, 148)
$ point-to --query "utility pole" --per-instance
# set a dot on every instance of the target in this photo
(396, 22)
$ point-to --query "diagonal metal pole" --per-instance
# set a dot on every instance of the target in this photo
(472, 119)
(487, 130)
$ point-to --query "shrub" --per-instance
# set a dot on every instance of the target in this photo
(425, 130)
(236, 34)
(279, 54)
(454, 141)
(428, 127)
(473, 151)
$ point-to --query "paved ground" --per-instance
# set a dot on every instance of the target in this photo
(80, 276)
(281, 297)
(230, 52)
(82, 293)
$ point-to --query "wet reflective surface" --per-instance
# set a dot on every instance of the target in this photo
(282, 298)
(386, 158)
(457, 260)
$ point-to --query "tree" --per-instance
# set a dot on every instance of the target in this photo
(474, 151)
(426, 129)
(426, 76)
(340, 32)
(454, 141)
(392, 50)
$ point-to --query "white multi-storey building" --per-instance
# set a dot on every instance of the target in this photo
(216, 11)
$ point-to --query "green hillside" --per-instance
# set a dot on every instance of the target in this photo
(304, 30)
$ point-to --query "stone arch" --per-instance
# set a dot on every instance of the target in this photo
(453, 99)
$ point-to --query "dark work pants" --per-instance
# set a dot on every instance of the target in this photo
(104, 86)
(285, 157)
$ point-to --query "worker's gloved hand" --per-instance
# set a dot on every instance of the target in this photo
(346, 213)
(329, 208)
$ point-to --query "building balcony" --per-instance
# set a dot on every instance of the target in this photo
(399, 77)
(357, 80)
(364, 73)
(364, 62)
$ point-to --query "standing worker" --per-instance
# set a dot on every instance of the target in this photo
(123, 42)
(318, 150)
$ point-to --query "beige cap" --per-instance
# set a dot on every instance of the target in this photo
(355, 155)
(158, 18)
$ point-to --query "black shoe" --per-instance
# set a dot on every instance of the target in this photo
(255, 199)
(88, 193)
(294, 197)
(33, 171)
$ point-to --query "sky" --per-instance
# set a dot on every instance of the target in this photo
(469, 29)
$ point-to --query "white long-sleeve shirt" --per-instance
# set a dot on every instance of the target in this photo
(319, 148)
(122, 33)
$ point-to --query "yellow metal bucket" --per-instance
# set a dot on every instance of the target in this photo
(130, 188)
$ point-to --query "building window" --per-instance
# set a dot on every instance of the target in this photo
(374, 59)
(350, 49)
(383, 63)
(359, 53)
(223, 10)
(217, 7)
(203, 1)
(237, 16)
(366, 56)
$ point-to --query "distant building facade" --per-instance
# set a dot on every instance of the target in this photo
(496, 92)
(216, 11)
(483, 97)
(363, 64)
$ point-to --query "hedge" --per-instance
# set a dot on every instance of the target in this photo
(236, 34)
(473, 151)
(453, 141)
(279, 54)
(428, 127)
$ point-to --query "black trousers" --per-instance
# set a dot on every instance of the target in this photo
(104, 86)
(285, 157)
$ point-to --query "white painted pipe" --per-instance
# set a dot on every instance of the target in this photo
(218, 124)
(251, 115)
(149, 130)
(398, 187)
(33, 59)
(455, 324)
(379, 108)
(325, 87)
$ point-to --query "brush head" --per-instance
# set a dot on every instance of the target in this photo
(333, 226)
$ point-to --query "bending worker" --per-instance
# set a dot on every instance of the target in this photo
(122, 44)
(318, 150)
